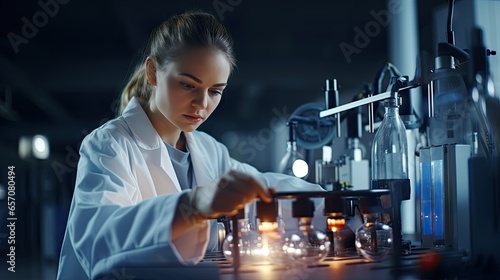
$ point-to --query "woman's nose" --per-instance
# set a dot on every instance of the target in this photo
(201, 100)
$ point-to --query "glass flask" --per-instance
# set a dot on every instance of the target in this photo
(373, 238)
(341, 237)
(307, 245)
(251, 246)
(271, 230)
(293, 162)
(389, 148)
(271, 242)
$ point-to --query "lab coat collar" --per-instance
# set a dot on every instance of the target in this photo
(148, 139)
(155, 151)
(204, 175)
(141, 127)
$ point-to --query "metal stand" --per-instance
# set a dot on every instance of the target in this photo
(236, 241)
(400, 190)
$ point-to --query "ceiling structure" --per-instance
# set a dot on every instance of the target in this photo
(64, 63)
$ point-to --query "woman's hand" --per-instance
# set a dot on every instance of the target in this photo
(230, 194)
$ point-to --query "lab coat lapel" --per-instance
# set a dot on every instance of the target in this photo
(162, 170)
(203, 173)
(152, 148)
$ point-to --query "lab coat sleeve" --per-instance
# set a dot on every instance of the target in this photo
(280, 182)
(107, 228)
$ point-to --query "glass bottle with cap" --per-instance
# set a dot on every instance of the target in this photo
(390, 148)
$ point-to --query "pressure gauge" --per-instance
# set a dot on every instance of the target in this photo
(312, 131)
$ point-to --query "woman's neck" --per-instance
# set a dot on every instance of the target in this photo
(167, 132)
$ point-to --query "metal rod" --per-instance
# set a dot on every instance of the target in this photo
(364, 101)
(338, 126)
(356, 193)
(430, 102)
(354, 104)
(236, 247)
(371, 117)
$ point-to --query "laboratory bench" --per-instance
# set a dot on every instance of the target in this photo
(420, 264)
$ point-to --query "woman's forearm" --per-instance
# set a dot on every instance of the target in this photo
(185, 217)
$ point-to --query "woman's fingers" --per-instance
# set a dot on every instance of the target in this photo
(248, 184)
(230, 194)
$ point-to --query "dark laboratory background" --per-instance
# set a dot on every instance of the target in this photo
(63, 65)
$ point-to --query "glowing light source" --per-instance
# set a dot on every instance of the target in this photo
(335, 224)
(36, 146)
(300, 168)
(268, 227)
(40, 147)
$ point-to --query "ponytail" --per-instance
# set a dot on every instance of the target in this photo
(137, 86)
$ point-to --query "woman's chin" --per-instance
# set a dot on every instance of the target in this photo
(189, 128)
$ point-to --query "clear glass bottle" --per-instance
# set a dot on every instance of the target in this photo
(390, 148)
(293, 162)
(251, 248)
(373, 238)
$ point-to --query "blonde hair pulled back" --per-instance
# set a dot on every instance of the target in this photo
(172, 38)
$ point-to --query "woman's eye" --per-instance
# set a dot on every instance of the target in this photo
(216, 92)
(186, 86)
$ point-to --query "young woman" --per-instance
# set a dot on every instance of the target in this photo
(147, 181)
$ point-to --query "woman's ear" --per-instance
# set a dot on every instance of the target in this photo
(151, 71)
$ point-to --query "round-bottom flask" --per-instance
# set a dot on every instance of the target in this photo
(373, 238)
(271, 241)
(269, 228)
(342, 238)
(306, 245)
(251, 246)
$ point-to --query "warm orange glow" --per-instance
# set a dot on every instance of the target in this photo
(268, 227)
(335, 224)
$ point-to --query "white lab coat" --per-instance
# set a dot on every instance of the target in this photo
(126, 194)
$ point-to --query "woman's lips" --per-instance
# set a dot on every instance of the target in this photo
(193, 119)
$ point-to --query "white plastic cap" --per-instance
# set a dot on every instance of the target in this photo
(327, 153)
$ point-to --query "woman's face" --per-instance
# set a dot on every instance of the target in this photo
(188, 90)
